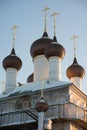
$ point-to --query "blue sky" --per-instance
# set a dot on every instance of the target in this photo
(28, 16)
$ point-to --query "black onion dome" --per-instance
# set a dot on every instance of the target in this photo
(75, 70)
(30, 78)
(12, 60)
(38, 47)
(55, 49)
(41, 106)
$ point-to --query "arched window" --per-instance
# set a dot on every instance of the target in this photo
(23, 103)
(18, 105)
(26, 103)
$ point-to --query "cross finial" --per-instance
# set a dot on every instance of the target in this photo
(45, 18)
(74, 37)
(42, 81)
(14, 28)
(54, 15)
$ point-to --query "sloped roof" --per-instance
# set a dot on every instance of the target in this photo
(35, 86)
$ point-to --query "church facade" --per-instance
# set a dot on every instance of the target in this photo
(45, 102)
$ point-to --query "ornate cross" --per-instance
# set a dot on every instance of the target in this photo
(54, 15)
(14, 28)
(74, 37)
(45, 17)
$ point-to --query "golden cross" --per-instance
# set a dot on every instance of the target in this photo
(74, 37)
(45, 17)
(14, 28)
(54, 15)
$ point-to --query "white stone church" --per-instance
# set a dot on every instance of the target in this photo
(45, 102)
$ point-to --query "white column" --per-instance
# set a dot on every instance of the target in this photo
(10, 79)
(77, 81)
(40, 120)
(41, 68)
(54, 69)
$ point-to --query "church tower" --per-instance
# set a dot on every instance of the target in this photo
(12, 64)
(63, 106)
(75, 72)
(37, 50)
(54, 52)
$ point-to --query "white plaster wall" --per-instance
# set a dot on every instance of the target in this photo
(61, 99)
(75, 99)
(11, 74)
(54, 69)
(58, 96)
(77, 81)
(41, 68)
